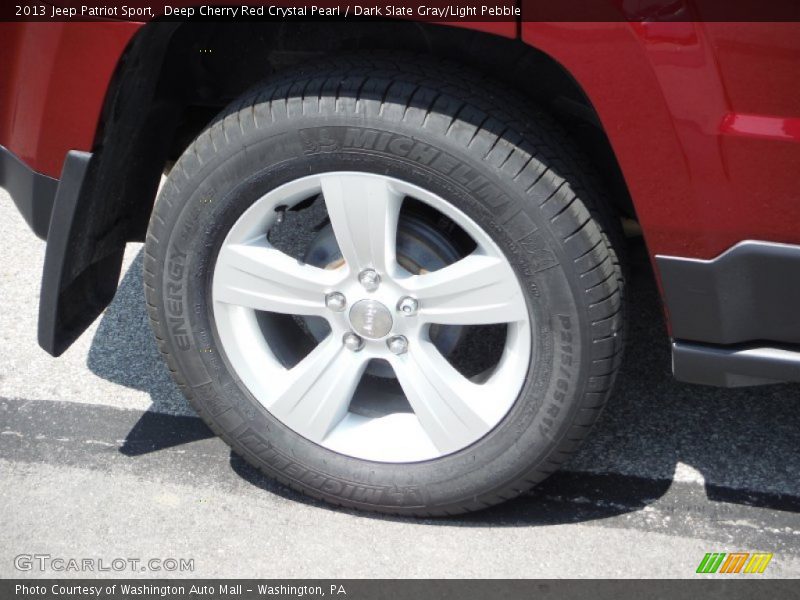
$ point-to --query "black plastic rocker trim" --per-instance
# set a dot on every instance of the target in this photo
(32, 192)
(750, 292)
(734, 367)
(735, 319)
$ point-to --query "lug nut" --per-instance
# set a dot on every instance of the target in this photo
(397, 344)
(408, 306)
(352, 342)
(370, 279)
(336, 301)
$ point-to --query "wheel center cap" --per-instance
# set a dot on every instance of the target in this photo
(371, 319)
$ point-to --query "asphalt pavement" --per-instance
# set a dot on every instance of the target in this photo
(102, 458)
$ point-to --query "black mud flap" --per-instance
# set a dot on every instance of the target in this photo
(76, 284)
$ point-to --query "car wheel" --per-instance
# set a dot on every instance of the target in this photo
(388, 285)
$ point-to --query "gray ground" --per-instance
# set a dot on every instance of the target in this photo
(101, 457)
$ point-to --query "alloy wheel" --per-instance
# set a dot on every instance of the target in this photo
(375, 309)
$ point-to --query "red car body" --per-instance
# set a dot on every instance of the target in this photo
(700, 115)
(703, 119)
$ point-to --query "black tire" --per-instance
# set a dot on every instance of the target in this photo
(537, 199)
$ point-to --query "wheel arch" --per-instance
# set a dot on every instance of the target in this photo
(181, 74)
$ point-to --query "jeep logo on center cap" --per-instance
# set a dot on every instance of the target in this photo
(371, 319)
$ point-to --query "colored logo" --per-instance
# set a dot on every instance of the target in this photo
(734, 562)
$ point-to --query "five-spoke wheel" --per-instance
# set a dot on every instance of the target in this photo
(375, 310)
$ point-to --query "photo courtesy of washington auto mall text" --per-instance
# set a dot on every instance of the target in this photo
(403, 299)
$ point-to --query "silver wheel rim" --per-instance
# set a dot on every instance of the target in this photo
(448, 411)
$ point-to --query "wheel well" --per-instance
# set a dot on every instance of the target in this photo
(184, 74)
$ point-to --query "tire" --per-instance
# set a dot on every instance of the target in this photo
(498, 165)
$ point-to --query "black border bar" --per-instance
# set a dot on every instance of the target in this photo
(415, 10)
(730, 587)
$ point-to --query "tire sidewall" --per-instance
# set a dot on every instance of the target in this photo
(202, 200)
